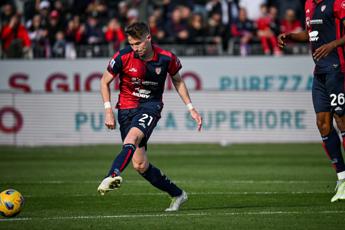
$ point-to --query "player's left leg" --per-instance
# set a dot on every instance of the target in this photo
(340, 188)
(158, 179)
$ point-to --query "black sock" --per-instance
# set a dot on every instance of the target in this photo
(332, 146)
(122, 160)
(161, 181)
(343, 137)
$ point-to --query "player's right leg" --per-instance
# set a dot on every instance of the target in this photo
(332, 147)
(113, 179)
(158, 179)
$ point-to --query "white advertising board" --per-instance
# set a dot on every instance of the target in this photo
(200, 73)
(229, 117)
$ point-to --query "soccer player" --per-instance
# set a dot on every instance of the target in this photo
(325, 24)
(142, 68)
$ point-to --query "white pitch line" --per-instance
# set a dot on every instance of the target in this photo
(189, 193)
(171, 215)
(177, 181)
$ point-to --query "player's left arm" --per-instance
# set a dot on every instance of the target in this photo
(182, 90)
(324, 50)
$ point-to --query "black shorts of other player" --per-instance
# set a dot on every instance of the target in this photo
(328, 92)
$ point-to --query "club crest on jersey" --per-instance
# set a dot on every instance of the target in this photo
(158, 70)
(343, 5)
(323, 8)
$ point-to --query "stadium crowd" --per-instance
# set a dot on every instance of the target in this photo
(95, 28)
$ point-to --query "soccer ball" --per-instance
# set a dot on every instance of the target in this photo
(11, 203)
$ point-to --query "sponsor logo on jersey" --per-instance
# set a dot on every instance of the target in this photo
(149, 83)
(313, 36)
(323, 8)
(135, 81)
(133, 70)
(307, 11)
(143, 93)
(316, 22)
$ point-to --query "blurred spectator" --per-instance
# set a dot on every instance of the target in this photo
(215, 29)
(228, 9)
(114, 34)
(282, 5)
(176, 28)
(132, 16)
(54, 25)
(196, 29)
(79, 7)
(186, 12)
(156, 30)
(169, 6)
(59, 46)
(265, 33)
(73, 36)
(73, 31)
(7, 11)
(93, 30)
(290, 24)
(112, 8)
(39, 38)
(15, 38)
(275, 22)
(243, 29)
(209, 22)
(252, 7)
(44, 10)
(122, 12)
(29, 9)
(98, 7)
(62, 11)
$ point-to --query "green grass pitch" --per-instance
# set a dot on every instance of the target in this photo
(249, 186)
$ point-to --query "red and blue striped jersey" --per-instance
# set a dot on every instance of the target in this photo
(324, 23)
(142, 81)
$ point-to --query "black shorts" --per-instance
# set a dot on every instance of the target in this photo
(145, 118)
(328, 92)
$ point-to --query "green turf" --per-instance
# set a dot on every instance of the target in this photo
(268, 186)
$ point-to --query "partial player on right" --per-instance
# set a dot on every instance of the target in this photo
(325, 26)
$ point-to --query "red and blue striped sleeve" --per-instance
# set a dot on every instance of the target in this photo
(115, 64)
(174, 65)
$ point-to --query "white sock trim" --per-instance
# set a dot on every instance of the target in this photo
(341, 175)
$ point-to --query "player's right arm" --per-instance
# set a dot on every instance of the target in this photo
(182, 90)
(302, 36)
(105, 91)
